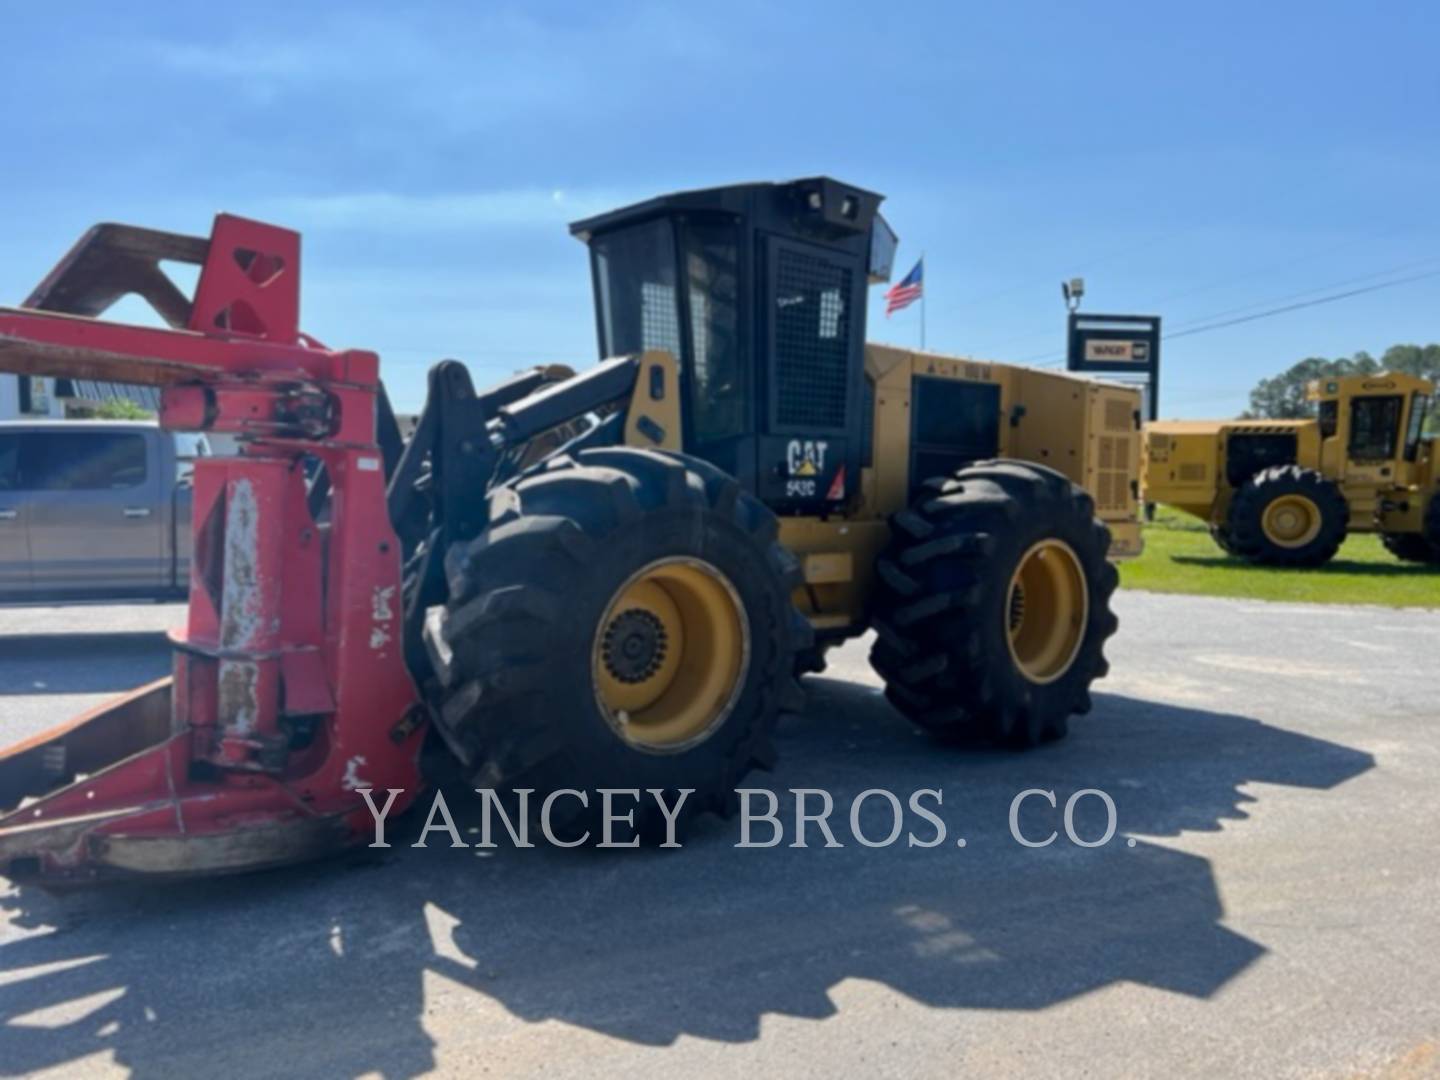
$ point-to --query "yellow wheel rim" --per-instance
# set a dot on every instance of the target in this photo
(670, 655)
(1291, 521)
(1048, 605)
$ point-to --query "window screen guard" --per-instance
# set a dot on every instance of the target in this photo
(811, 320)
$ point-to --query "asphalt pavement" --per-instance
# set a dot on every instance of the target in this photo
(1269, 904)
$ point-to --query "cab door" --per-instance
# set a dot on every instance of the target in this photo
(719, 402)
(1371, 451)
(14, 543)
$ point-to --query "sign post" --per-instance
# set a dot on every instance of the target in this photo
(1118, 345)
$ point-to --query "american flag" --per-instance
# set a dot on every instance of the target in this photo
(910, 289)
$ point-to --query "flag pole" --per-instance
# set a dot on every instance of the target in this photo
(922, 301)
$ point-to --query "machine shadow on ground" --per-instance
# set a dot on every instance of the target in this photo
(47, 663)
(706, 941)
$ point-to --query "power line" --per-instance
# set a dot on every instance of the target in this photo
(1205, 323)
(1303, 304)
(1219, 283)
(1306, 292)
(1228, 280)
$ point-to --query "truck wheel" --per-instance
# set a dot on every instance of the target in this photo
(1421, 547)
(624, 621)
(1287, 516)
(993, 604)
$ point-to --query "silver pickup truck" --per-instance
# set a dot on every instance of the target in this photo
(94, 510)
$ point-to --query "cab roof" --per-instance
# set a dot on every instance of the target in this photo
(1210, 427)
(790, 198)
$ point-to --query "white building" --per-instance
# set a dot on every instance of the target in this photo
(28, 395)
(24, 396)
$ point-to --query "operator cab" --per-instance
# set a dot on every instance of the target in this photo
(759, 291)
(1382, 418)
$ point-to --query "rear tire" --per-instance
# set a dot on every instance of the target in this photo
(1287, 516)
(1411, 547)
(1221, 536)
(993, 605)
(1421, 547)
(624, 621)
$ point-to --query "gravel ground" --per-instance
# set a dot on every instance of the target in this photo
(1269, 905)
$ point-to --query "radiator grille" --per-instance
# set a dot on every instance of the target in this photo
(1119, 416)
(1192, 472)
(812, 340)
(1108, 497)
(1113, 474)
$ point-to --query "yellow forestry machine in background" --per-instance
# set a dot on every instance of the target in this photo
(1286, 492)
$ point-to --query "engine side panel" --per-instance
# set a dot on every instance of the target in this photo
(1090, 431)
(1085, 429)
(1196, 465)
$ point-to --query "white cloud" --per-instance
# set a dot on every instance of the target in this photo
(277, 60)
(383, 211)
(481, 72)
(461, 71)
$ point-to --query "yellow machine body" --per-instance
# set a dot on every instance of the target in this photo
(1085, 429)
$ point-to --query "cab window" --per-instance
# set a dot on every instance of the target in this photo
(1374, 427)
(1419, 407)
(712, 273)
(1329, 418)
(635, 279)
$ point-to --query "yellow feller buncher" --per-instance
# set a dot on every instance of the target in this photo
(571, 581)
(1287, 492)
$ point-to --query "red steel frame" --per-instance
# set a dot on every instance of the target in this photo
(290, 690)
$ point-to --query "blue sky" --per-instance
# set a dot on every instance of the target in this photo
(1188, 160)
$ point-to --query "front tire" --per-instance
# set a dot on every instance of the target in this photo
(993, 604)
(624, 621)
(1221, 536)
(1288, 516)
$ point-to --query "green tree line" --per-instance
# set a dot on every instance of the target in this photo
(1283, 396)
